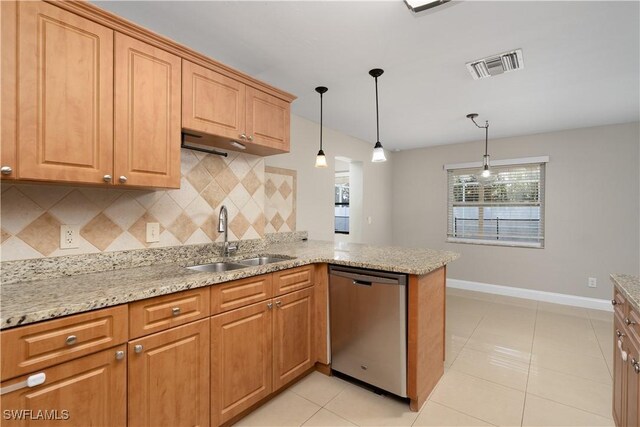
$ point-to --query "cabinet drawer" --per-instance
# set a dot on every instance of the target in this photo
(619, 304)
(286, 281)
(632, 322)
(239, 293)
(41, 345)
(161, 313)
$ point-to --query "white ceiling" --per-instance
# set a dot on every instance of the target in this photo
(581, 61)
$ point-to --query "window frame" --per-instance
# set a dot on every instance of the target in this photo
(538, 161)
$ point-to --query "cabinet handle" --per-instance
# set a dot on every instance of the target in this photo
(71, 340)
(628, 322)
(119, 355)
(619, 334)
(243, 136)
(278, 304)
(614, 302)
(175, 311)
(269, 305)
(636, 368)
(106, 178)
(122, 179)
(6, 170)
(138, 348)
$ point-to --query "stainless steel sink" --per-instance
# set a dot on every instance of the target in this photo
(218, 267)
(262, 260)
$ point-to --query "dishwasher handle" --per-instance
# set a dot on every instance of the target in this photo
(368, 279)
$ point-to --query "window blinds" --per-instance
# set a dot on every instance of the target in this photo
(507, 209)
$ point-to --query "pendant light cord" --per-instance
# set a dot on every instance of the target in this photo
(377, 114)
(320, 122)
(486, 132)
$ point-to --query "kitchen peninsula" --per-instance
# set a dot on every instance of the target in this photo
(59, 314)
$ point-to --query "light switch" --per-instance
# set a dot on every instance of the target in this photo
(153, 232)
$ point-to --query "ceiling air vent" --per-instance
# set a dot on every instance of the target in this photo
(496, 64)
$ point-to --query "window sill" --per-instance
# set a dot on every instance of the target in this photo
(495, 243)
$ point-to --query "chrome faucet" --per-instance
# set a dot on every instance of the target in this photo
(223, 220)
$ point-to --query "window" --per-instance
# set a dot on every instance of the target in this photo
(507, 209)
(342, 203)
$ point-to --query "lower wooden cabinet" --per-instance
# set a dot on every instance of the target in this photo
(633, 385)
(293, 343)
(89, 391)
(241, 348)
(626, 365)
(256, 350)
(169, 377)
(619, 372)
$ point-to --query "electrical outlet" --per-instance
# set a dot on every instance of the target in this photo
(593, 282)
(153, 232)
(69, 236)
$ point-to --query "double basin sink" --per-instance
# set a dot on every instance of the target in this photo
(219, 267)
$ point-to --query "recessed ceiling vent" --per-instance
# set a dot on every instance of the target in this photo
(496, 64)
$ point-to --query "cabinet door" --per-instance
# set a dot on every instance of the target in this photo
(293, 342)
(65, 96)
(619, 372)
(8, 83)
(212, 103)
(90, 391)
(241, 362)
(268, 120)
(147, 115)
(169, 377)
(633, 385)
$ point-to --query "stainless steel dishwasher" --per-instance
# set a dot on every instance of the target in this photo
(368, 322)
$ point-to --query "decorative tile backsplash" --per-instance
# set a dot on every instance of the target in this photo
(114, 219)
(280, 199)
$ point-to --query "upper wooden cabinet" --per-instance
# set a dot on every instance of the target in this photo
(8, 74)
(147, 115)
(217, 110)
(65, 88)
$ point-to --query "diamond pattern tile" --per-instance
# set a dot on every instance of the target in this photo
(183, 227)
(101, 232)
(43, 234)
(113, 219)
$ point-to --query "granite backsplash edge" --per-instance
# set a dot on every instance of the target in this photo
(53, 267)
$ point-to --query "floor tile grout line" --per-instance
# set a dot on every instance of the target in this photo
(339, 416)
(526, 386)
(600, 346)
(460, 412)
(564, 404)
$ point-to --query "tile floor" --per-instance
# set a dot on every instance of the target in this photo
(509, 362)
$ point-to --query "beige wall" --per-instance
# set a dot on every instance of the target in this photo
(315, 186)
(592, 209)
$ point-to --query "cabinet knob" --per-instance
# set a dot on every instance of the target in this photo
(243, 136)
(122, 179)
(175, 311)
(106, 178)
(636, 368)
(269, 305)
(619, 334)
(614, 302)
(628, 322)
(71, 340)
(278, 303)
(6, 170)
(119, 355)
(250, 137)
(138, 348)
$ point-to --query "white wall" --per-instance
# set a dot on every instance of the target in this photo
(592, 209)
(316, 186)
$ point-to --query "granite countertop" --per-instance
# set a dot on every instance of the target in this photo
(630, 287)
(36, 300)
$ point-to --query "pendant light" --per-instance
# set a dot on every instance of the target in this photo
(486, 167)
(321, 160)
(378, 151)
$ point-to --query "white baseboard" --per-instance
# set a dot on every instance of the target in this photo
(564, 299)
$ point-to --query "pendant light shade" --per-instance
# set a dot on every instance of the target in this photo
(378, 151)
(486, 166)
(321, 159)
